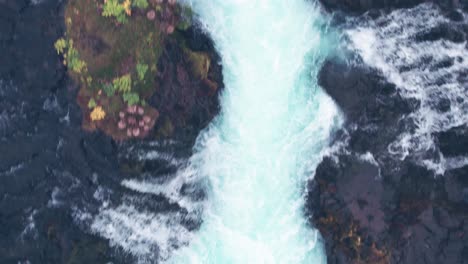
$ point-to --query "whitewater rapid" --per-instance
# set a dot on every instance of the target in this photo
(426, 68)
(253, 162)
(262, 148)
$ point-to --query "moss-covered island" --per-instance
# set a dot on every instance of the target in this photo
(114, 50)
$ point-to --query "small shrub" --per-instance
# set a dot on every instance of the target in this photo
(109, 89)
(131, 98)
(73, 60)
(123, 84)
(92, 103)
(60, 45)
(113, 8)
(71, 56)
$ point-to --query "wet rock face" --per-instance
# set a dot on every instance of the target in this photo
(371, 105)
(453, 142)
(371, 204)
(19, 60)
(50, 167)
(371, 207)
(187, 95)
(43, 153)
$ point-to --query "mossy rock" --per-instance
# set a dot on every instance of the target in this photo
(113, 55)
(200, 63)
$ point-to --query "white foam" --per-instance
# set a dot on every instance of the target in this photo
(51, 104)
(170, 187)
(37, 2)
(159, 155)
(13, 169)
(442, 164)
(155, 151)
(253, 161)
(30, 228)
(55, 196)
(146, 235)
(274, 124)
(389, 44)
(162, 143)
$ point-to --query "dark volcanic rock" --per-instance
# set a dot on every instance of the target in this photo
(44, 157)
(372, 204)
(371, 207)
(50, 170)
(456, 185)
(371, 105)
(453, 142)
(349, 211)
(444, 31)
(406, 217)
(46, 163)
(186, 103)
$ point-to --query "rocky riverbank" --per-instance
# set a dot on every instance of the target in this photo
(50, 167)
(370, 206)
(373, 205)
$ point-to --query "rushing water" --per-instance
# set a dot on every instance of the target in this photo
(254, 160)
(274, 123)
(405, 47)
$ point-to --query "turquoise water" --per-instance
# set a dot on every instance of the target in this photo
(273, 127)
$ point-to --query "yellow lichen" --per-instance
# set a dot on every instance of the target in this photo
(60, 45)
(97, 114)
(126, 6)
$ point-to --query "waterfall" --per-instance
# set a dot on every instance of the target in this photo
(275, 122)
(253, 161)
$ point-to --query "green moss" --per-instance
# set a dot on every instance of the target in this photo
(141, 70)
(71, 57)
(140, 3)
(74, 62)
(113, 51)
(186, 20)
(131, 98)
(60, 45)
(109, 89)
(123, 84)
(114, 8)
(92, 103)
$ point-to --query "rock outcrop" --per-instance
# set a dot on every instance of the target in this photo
(49, 166)
(370, 205)
(373, 208)
(134, 53)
